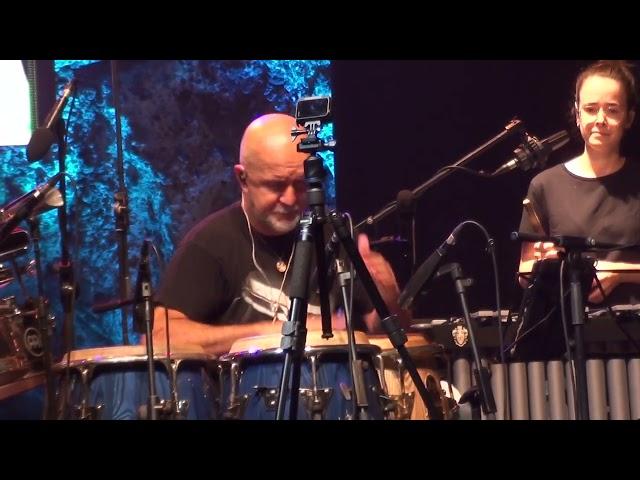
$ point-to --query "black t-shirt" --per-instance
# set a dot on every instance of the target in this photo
(605, 208)
(212, 277)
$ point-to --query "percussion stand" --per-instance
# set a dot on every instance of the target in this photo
(143, 323)
(43, 321)
(68, 285)
(121, 207)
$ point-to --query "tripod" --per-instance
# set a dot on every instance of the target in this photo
(294, 330)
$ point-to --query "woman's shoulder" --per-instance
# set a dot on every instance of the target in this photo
(551, 174)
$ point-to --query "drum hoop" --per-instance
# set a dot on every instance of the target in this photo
(309, 351)
(132, 359)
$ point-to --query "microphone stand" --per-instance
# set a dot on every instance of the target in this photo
(68, 287)
(357, 376)
(43, 322)
(66, 268)
(513, 126)
(143, 323)
(121, 208)
(480, 372)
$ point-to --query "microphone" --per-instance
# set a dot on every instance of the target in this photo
(23, 207)
(533, 153)
(43, 137)
(142, 295)
(427, 270)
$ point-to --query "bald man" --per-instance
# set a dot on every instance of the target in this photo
(228, 277)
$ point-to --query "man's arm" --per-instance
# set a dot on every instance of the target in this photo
(384, 278)
(218, 339)
(214, 339)
(612, 274)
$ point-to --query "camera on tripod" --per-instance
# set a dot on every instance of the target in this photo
(312, 109)
(312, 113)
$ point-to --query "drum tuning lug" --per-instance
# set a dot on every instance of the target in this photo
(269, 395)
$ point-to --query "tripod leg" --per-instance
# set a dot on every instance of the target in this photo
(396, 335)
(294, 330)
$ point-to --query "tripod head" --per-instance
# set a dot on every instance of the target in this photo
(311, 113)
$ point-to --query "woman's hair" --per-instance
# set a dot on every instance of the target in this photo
(616, 69)
(619, 70)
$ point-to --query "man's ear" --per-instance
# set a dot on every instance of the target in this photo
(241, 176)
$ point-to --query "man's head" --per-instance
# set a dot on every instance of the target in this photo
(271, 175)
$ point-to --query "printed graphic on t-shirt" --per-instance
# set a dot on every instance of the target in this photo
(268, 300)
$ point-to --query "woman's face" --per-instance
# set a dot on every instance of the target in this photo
(602, 115)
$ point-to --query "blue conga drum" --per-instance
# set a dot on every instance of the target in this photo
(112, 383)
(250, 378)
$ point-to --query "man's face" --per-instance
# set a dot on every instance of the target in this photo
(275, 194)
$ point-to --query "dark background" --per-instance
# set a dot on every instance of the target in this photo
(398, 122)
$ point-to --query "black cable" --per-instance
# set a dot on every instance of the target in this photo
(519, 336)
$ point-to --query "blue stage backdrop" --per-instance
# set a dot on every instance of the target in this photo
(181, 126)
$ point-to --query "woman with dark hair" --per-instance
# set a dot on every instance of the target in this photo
(596, 194)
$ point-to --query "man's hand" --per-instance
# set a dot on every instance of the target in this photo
(545, 250)
(380, 271)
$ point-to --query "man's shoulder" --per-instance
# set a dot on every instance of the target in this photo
(223, 223)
